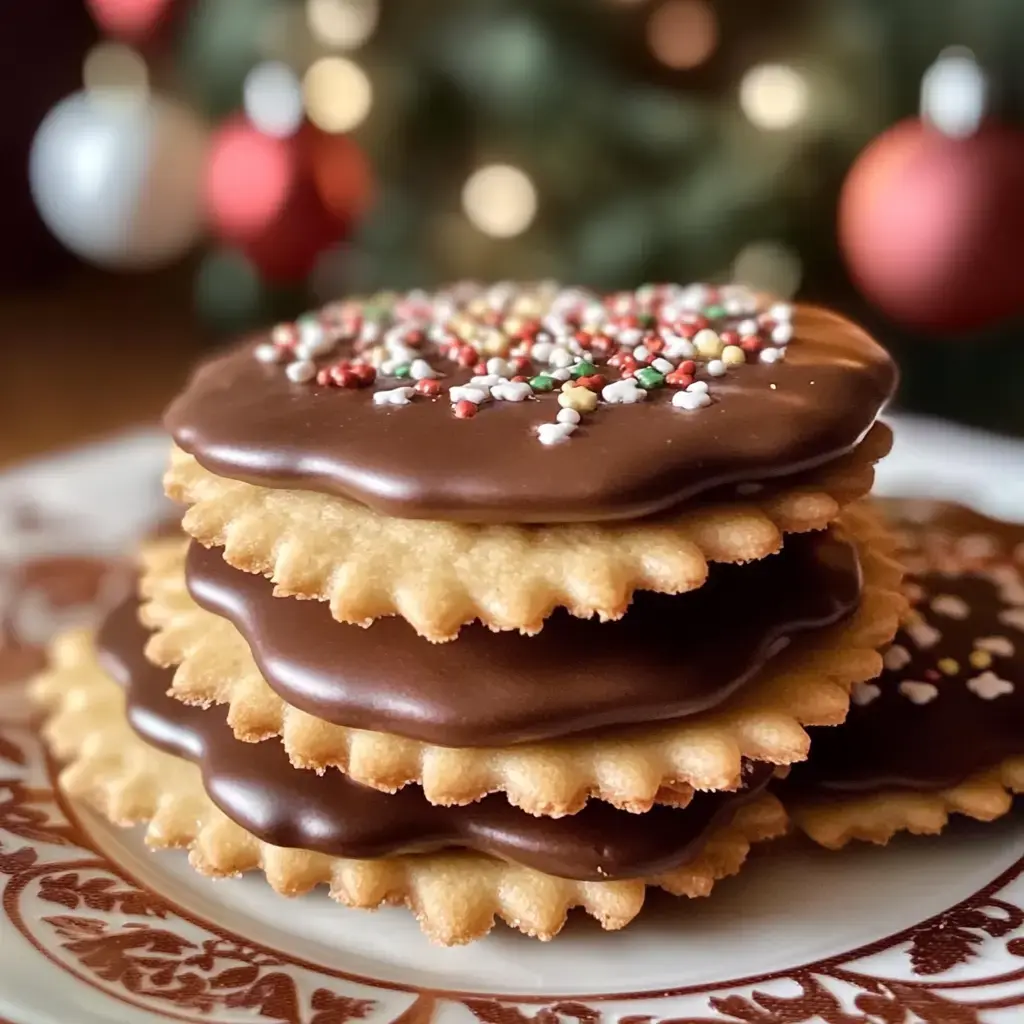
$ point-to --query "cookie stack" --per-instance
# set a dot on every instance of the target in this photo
(941, 730)
(575, 573)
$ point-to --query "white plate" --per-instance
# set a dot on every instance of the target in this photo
(94, 928)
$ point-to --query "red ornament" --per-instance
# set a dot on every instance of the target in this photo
(464, 409)
(134, 20)
(930, 225)
(260, 194)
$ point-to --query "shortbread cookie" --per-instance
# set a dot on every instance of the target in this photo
(629, 767)
(942, 729)
(465, 455)
(440, 576)
(396, 846)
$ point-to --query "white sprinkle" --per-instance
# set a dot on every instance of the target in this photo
(420, 369)
(1000, 646)
(677, 347)
(951, 606)
(977, 545)
(864, 693)
(641, 353)
(922, 633)
(691, 400)
(717, 368)
(770, 355)
(541, 350)
(663, 365)
(468, 393)
(395, 396)
(499, 366)
(511, 391)
(1013, 617)
(623, 392)
(896, 657)
(312, 336)
(746, 328)
(561, 357)
(988, 685)
(486, 380)
(782, 334)
(567, 416)
(1012, 592)
(554, 433)
(301, 371)
(370, 331)
(282, 333)
(389, 366)
(630, 337)
(698, 385)
(781, 311)
(269, 353)
(918, 693)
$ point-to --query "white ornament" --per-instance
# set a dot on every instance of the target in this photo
(118, 179)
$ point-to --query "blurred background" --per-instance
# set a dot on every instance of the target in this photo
(174, 171)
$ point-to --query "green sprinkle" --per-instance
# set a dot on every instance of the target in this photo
(583, 370)
(542, 383)
(714, 312)
(401, 371)
(646, 320)
(649, 378)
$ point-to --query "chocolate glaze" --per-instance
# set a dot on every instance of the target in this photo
(244, 420)
(668, 658)
(255, 786)
(894, 742)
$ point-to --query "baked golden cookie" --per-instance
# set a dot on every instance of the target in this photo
(496, 453)
(671, 698)
(140, 756)
(941, 731)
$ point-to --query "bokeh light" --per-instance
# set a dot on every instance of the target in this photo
(273, 99)
(228, 292)
(954, 93)
(682, 33)
(113, 68)
(773, 96)
(343, 176)
(769, 266)
(345, 24)
(499, 200)
(338, 94)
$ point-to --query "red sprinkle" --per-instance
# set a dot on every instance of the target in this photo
(428, 387)
(365, 373)
(654, 345)
(480, 369)
(520, 378)
(464, 410)
(323, 378)
(685, 330)
(415, 338)
(676, 379)
(467, 355)
(751, 343)
(730, 337)
(687, 366)
(521, 364)
(343, 377)
(585, 339)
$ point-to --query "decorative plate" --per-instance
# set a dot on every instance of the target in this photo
(93, 928)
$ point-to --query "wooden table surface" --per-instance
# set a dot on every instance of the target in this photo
(90, 356)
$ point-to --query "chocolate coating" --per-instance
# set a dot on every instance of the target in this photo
(669, 657)
(892, 741)
(255, 786)
(245, 420)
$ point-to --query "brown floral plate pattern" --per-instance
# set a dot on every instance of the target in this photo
(94, 928)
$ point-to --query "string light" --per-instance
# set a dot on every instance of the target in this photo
(773, 96)
(682, 33)
(499, 200)
(273, 99)
(345, 24)
(769, 266)
(338, 94)
(113, 68)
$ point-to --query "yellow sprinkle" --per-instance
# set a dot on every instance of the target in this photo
(580, 399)
(949, 666)
(733, 355)
(980, 659)
(708, 344)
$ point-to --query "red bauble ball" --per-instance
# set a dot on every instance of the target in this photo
(931, 226)
(135, 20)
(261, 195)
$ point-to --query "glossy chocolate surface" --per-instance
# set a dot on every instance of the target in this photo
(255, 785)
(670, 657)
